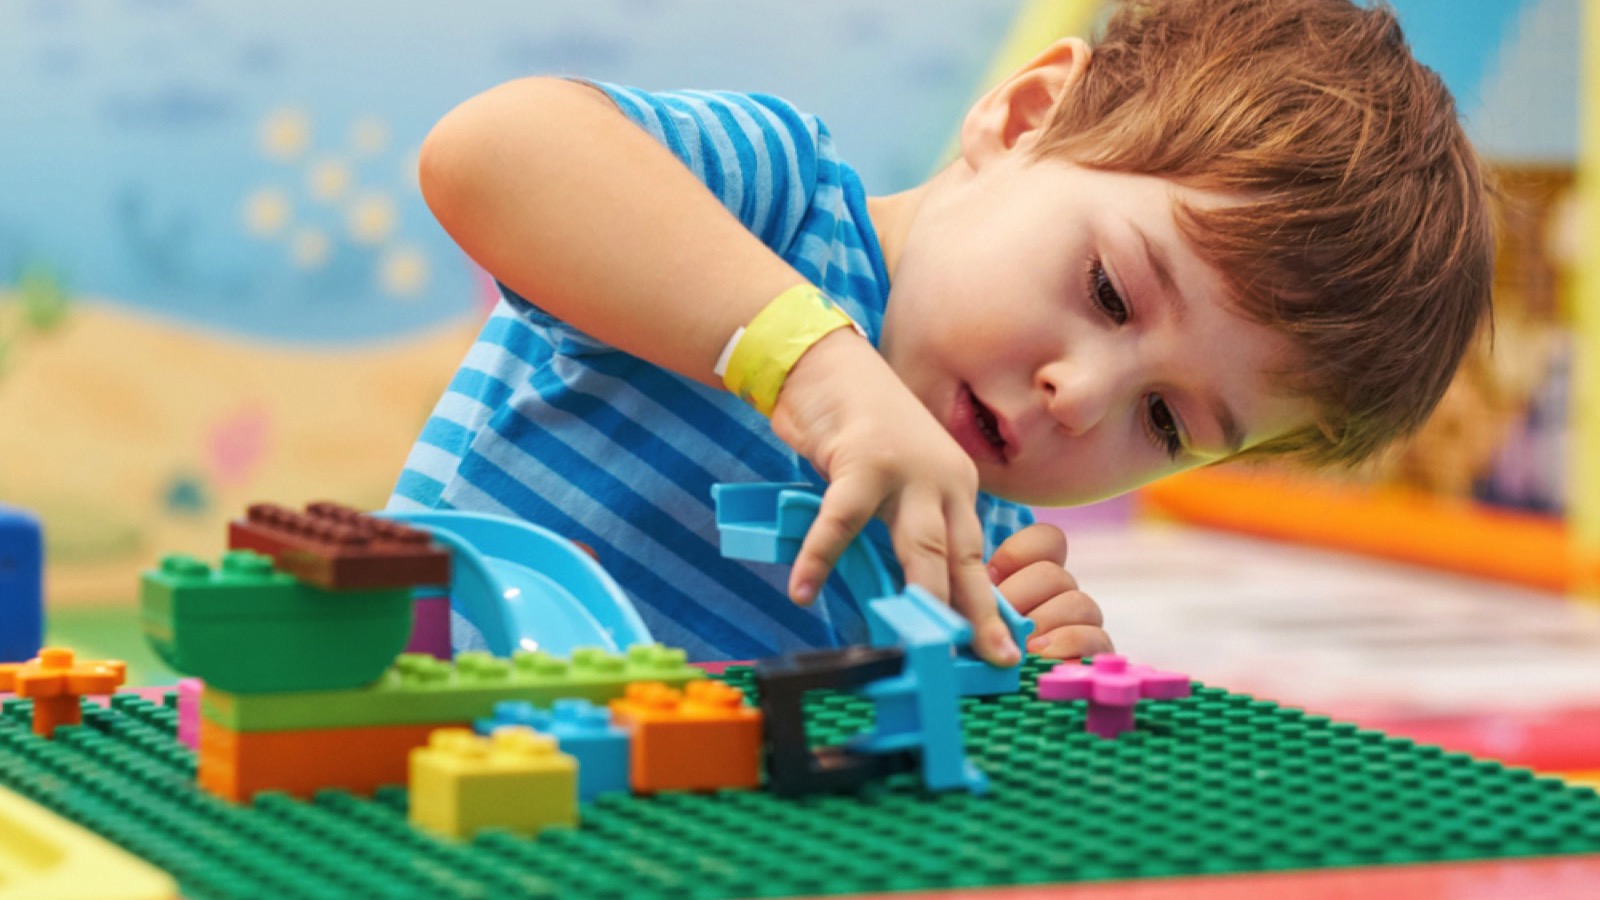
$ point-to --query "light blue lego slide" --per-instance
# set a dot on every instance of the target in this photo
(523, 587)
(527, 588)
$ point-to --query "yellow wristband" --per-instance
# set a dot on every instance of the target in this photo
(759, 356)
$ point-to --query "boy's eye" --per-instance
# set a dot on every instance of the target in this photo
(1164, 426)
(1105, 294)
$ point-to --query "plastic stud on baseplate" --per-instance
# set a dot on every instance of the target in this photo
(1112, 686)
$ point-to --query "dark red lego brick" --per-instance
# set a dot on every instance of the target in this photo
(340, 548)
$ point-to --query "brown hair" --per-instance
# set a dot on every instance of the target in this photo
(1363, 233)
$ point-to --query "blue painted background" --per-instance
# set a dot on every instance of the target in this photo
(131, 143)
(131, 133)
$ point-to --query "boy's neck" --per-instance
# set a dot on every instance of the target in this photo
(891, 218)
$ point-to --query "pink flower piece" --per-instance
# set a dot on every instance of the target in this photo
(1112, 686)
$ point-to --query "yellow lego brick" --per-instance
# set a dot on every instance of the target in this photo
(46, 857)
(515, 779)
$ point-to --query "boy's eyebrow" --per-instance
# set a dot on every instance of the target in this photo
(1232, 434)
(1156, 257)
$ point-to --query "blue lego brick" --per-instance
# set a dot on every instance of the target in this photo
(21, 585)
(583, 730)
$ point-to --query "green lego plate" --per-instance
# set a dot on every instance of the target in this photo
(1214, 783)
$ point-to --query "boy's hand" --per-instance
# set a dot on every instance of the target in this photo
(884, 454)
(1029, 568)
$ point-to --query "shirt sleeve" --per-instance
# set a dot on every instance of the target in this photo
(757, 154)
(1001, 519)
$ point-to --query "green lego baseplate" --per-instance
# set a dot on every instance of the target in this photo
(1214, 783)
(419, 689)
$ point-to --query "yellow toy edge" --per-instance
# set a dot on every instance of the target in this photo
(46, 857)
(1585, 408)
(1583, 779)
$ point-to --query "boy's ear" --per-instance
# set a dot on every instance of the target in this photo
(1015, 111)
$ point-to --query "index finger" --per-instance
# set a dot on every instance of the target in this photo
(847, 505)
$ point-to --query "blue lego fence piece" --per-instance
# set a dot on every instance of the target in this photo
(976, 678)
(920, 709)
(21, 585)
(766, 522)
(584, 731)
(527, 588)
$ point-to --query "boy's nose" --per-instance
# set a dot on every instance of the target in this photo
(1078, 396)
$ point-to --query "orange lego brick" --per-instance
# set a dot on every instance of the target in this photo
(55, 681)
(339, 548)
(702, 738)
(235, 765)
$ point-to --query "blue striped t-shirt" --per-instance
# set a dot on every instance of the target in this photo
(546, 423)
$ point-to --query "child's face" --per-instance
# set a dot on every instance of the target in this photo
(1056, 322)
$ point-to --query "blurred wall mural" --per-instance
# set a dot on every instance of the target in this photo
(218, 282)
(1502, 433)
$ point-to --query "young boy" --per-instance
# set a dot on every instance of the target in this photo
(1231, 228)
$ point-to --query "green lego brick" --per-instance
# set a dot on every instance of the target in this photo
(419, 689)
(245, 627)
(1214, 783)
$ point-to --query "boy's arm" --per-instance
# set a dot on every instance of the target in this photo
(549, 187)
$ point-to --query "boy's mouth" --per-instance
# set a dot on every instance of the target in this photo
(986, 436)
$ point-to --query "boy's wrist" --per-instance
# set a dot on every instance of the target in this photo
(758, 359)
(816, 397)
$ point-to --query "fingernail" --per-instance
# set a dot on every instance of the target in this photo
(804, 593)
(1008, 653)
(994, 575)
(1036, 644)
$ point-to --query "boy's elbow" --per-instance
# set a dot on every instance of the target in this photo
(441, 169)
(491, 138)
(454, 157)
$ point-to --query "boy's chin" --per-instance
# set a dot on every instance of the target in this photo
(1006, 488)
